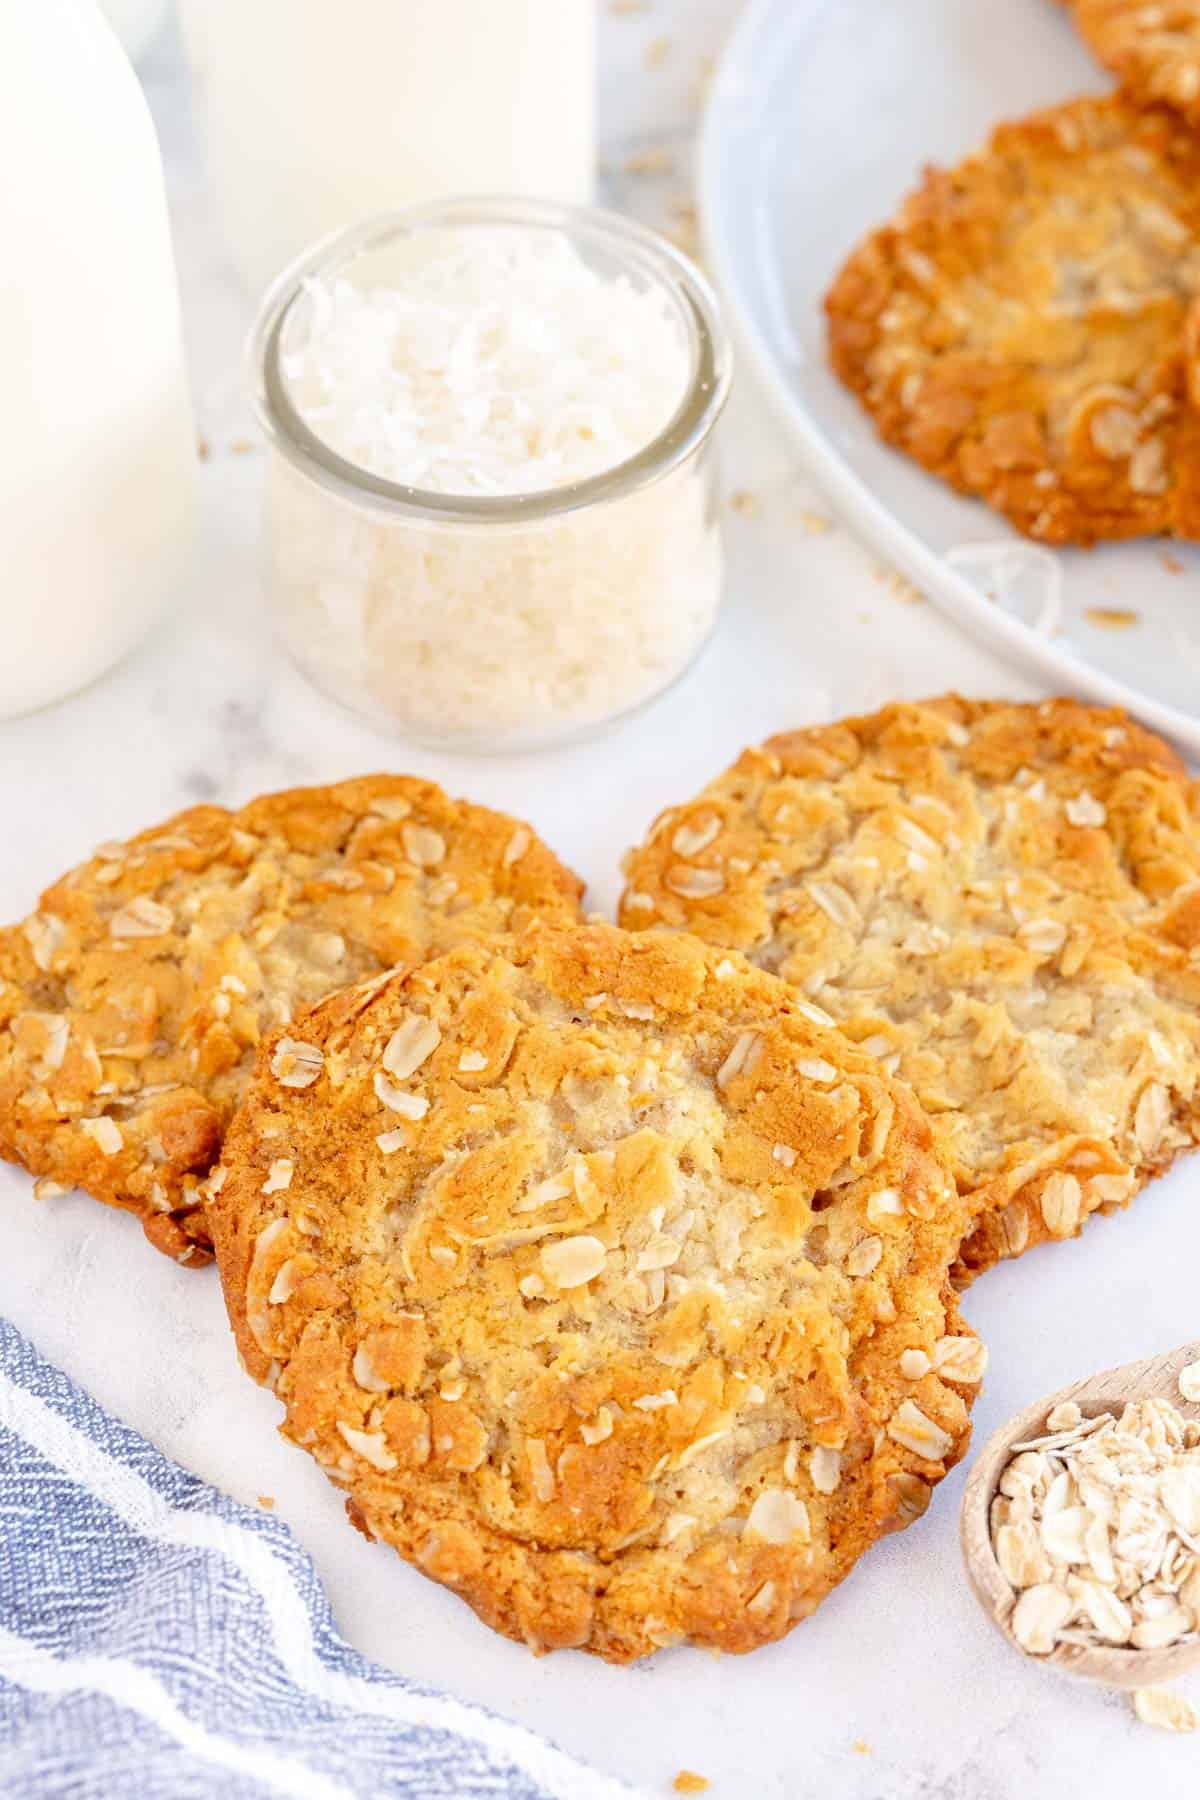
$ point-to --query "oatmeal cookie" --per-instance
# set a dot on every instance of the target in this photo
(611, 1289)
(132, 1001)
(1152, 49)
(1028, 326)
(1002, 903)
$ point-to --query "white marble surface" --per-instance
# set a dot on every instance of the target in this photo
(898, 1688)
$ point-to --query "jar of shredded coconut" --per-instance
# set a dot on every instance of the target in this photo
(491, 508)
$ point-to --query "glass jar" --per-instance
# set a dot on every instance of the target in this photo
(508, 622)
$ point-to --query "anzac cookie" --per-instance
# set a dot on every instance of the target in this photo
(1152, 48)
(1002, 903)
(132, 1001)
(612, 1290)
(1028, 327)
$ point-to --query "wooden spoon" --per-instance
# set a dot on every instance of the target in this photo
(1157, 1379)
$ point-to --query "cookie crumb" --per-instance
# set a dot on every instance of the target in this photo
(1167, 1711)
(243, 446)
(815, 523)
(685, 236)
(654, 161)
(203, 449)
(1111, 618)
(744, 503)
(267, 1502)
(899, 585)
(688, 1782)
(860, 1747)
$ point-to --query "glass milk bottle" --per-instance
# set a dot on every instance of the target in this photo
(97, 450)
(320, 112)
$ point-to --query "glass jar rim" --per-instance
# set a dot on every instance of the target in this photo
(640, 250)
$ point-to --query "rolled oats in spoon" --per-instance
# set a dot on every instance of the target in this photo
(1096, 1525)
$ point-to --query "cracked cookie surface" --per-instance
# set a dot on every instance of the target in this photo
(1152, 49)
(1002, 903)
(611, 1290)
(1028, 329)
(132, 1001)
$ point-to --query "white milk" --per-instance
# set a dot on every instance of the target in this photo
(97, 449)
(320, 112)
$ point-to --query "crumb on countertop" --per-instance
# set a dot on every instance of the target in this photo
(1111, 618)
(899, 585)
(656, 160)
(267, 1502)
(688, 1782)
(1164, 1710)
(685, 236)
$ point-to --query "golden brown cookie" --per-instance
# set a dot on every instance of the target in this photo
(611, 1290)
(1002, 903)
(132, 1001)
(1151, 46)
(1028, 329)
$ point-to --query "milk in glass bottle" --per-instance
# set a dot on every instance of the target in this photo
(97, 450)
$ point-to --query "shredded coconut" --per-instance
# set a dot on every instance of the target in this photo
(502, 365)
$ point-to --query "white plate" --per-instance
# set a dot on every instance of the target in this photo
(820, 117)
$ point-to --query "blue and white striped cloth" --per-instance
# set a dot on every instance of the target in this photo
(159, 1641)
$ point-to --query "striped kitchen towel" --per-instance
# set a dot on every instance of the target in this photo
(158, 1641)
